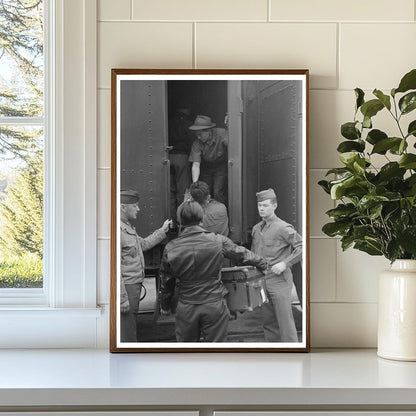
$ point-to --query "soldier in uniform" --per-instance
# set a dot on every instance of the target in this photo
(132, 262)
(280, 244)
(209, 156)
(215, 213)
(194, 259)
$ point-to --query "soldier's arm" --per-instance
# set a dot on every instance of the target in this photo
(295, 241)
(124, 299)
(167, 284)
(241, 255)
(153, 239)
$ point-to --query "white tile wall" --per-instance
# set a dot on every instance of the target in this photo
(320, 203)
(200, 10)
(357, 275)
(104, 128)
(114, 10)
(270, 45)
(369, 10)
(343, 325)
(345, 44)
(142, 45)
(323, 269)
(104, 202)
(376, 55)
(103, 270)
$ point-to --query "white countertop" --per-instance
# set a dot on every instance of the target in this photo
(96, 377)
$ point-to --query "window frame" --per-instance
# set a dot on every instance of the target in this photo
(70, 170)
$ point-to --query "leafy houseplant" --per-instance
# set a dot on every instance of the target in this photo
(376, 212)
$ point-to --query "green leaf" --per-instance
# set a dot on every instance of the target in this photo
(411, 130)
(359, 94)
(361, 231)
(375, 136)
(383, 145)
(408, 82)
(325, 186)
(346, 242)
(349, 131)
(407, 239)
(408, 103)
(391, 170)
(408, 161)
(399, 148)
(371, 108)
(367, 122)
(349, 146)
(342, 211)
(393, 250)
(369, 201)
(359, 166)
(369, 248)
(336, 228)
(385, 99)
(338, 189)
(375, 212)
(348, 158)
(337, 171)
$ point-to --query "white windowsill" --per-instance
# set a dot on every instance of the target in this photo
(40, 327)
(323, 378)
(36, 311)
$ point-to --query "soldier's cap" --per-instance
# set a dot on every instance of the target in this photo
(202, 122)
(266, 194)
(128, 196)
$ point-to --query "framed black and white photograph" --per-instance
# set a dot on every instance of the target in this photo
(209, 211)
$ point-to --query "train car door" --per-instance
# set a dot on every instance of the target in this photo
(272, 148)
(144, 165)
(272, 152)
(235, 196)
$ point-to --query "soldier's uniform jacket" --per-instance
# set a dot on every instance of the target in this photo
(132, 260)
(277, 241)
(214, 151)
(195, 260)
(215, 217)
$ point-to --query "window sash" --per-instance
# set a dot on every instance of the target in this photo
(38, 296)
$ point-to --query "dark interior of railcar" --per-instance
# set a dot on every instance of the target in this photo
(207, 98)
(204, 97)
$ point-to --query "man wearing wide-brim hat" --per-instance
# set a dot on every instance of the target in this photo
(209, 156)
(280, 244)
(132, 262)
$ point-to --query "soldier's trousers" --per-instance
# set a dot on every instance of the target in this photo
(278, 321)
(207, 322)
(128, 321)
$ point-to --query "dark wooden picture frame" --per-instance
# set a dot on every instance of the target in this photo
(264, 114)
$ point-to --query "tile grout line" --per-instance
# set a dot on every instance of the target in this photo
(255, 21)
(131, 9)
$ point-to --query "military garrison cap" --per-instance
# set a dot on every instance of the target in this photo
(128, 196)
(267, 194)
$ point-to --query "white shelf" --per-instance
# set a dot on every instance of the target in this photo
(58, 378)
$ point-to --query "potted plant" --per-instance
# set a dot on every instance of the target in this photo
(376, 209)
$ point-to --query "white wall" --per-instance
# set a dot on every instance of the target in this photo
(345, 44)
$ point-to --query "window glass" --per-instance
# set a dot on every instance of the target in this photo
(21, 143)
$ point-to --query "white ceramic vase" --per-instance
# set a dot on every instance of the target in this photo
(397, 312)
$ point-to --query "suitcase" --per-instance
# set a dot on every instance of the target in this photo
(246, 288)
